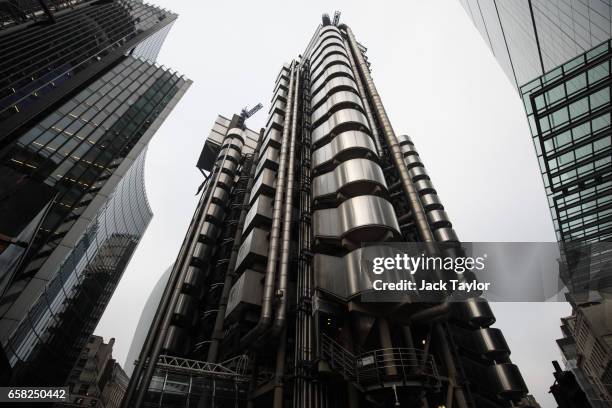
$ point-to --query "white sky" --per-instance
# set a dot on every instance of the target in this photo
(440, 84)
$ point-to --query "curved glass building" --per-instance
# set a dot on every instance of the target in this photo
(62, 319)
(80, 98)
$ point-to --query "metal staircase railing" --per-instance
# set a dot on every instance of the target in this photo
(382, 367)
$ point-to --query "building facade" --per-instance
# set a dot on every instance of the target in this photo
(47, 342)
(264, 304)
(557, 54)
(81, 97)
(96, 380)
(532, 37)
(144, 322)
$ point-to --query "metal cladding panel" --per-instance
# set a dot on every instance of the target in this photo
(330, 275)
(431, 201)
(352, 143)
(438, 218)
(331, 44)
(209, 232)
(404, 139)
(331, 72)
(246, 292)
(418, 173)
(491, 343)
(193, 280)
(275, 120)
(344, 119)
(272, 137)
(326, 39)
(343, 278)
(424, 186)
(225, 180)
(250, 138)
(339, 98)
(229, 166)
(350, 178)
(408, 149)
(268, 159)
(215, 213)
(283, 83)
(474, 313)
(279, 106)
(327, 62)
(177, 341)
(445, 235)
(220, 196)
(283, 73)
(259, 214)
(184, 311)
(508, 380)
(202, 251)
(281, 93)
(488, 343)
(359, 219)
(254, 248)
(264, 184)
(327, 50)
(332, 85)
(324, 36)
(233, 153)
(413, 160)
(235, 136)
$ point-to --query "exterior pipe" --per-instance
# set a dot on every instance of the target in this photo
(392, 143)
(218, 333)
(182, 266)
(265, 318)
(452, 370)
(280, 370)
(362, 95)
(157, 318)
(283, 277)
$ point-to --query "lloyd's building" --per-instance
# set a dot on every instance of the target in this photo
(263, 305)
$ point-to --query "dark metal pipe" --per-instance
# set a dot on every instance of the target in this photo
(280, 370)
(265, 318)
(451, 368)
(283, 277)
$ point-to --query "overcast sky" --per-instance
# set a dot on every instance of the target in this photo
(439, 83)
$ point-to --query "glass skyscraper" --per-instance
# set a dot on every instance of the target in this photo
(557, 54)
(80, 98)
(57, 326)
(531, 37)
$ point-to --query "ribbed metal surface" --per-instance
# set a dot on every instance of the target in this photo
(346, 145)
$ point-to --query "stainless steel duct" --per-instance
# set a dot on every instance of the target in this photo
(283, 277)
(393, 144)
(265, 318)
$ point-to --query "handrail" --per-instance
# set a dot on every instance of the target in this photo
(371, 366)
